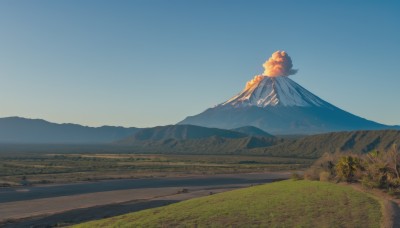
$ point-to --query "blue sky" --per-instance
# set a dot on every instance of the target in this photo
(146, 63)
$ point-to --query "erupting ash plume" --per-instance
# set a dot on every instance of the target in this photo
(253, 81)
(280, 64)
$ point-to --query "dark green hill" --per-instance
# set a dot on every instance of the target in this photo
(308, 147)
(314, 146)
(210, 145)
(253, 131)
(180, 132)
(190, 139)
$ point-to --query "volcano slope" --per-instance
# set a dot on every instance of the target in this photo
(280, 106)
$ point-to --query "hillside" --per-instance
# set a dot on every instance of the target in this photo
(308, 147)
(252, 131)
(280, 204)
(189, 139)
(284, 120)
(180, 132)
(37, 131)
(19, 134)
(210, 145)
(314, 146)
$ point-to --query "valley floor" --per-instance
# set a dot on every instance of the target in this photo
(73, 203)
(19, 169)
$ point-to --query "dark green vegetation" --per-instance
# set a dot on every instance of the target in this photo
(315, 146)
(373, 170)
(211, 145)
(280, 204)
(306, 147)
(188, 139)
(28, 168)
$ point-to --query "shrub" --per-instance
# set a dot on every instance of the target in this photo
(367, 182)
(324, 176)
(296, 176)
(311, 174)
(346, 168)
(373, 170)
(391, 191)
(324, 164)
(382, 169)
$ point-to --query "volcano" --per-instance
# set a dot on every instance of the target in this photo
(278, 105)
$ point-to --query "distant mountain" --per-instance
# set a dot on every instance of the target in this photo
(316, 145)
(37, 131)
(306, 147)
(252, 131)
(280, 106)
(40, 135)
(211, 145)
(180, 132)
(189, 139)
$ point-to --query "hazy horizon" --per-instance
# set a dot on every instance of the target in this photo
(149, 63)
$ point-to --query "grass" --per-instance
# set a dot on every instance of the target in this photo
(280, 204)
(62, 168)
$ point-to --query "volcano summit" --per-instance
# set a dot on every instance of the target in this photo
(278, 105)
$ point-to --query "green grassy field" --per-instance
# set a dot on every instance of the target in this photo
(280, 204)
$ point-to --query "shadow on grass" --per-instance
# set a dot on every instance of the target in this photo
(87, 214)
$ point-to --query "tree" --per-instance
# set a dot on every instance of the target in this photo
(382, 169)
(394, 160)
(346, 168)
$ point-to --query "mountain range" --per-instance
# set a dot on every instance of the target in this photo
(352, 141)
(267, 106)
(37, 131)
(257, 121)
(27, 135)
(301, 146)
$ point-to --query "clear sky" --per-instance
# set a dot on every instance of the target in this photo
(145, 63)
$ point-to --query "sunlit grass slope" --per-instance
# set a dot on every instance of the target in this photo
(280, 204)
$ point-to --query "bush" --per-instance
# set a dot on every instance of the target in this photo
(324, 176)
(367, 182)
(373, 170)
(311, 174)
(382, 169)
(296, 176)
(347, 167)
(391, 191)
(325, 164)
